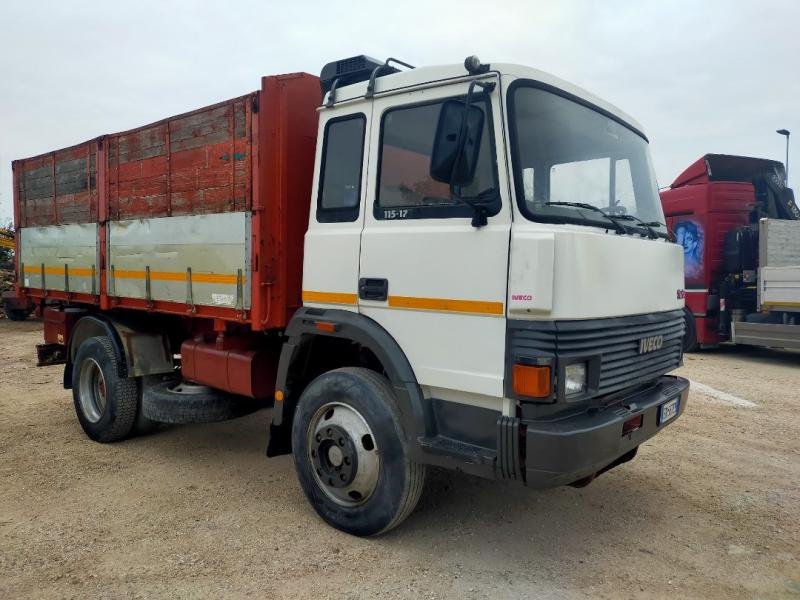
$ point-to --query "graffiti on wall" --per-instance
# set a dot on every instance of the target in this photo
(689, 234)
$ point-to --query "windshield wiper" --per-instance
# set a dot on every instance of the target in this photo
(652, 233)
(648, 225)
(618, 227)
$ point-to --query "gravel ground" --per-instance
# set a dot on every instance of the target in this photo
(709, 509)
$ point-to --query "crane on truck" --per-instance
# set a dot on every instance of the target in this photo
(416, 266)
(739, 226)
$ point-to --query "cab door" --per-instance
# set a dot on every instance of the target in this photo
(432, 280)
(333, 239)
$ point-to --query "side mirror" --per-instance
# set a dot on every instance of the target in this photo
(446, 143)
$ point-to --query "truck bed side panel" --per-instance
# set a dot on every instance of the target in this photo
(193, 259)
(60, 257)
(779, 273)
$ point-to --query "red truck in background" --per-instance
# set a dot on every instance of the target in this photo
(738, 224)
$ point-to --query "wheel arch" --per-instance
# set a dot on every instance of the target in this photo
(297, 368)
(138, 352)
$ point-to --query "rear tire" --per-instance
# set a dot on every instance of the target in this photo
(17, 314)
(105, 403)
(351, 453)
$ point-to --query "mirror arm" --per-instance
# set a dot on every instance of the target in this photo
(462, 132)
(480, 216)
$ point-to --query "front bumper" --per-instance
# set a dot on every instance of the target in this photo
(563, 451)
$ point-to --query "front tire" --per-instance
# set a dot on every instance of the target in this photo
(105, 403)
(351, 453)
(690, 333)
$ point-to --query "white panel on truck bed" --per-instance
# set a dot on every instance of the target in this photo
(194, 259)
(60, 257)
(779, 243)
(779, 288)
(779, 275)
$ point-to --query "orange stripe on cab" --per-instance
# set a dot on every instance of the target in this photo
(329, 297)
(479, 307)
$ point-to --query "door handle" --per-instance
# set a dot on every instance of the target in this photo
(373, 289)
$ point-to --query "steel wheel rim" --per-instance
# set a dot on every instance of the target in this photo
(343, 454)
(188, 388)
(92, 391)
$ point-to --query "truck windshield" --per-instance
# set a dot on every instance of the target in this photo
(566, 153)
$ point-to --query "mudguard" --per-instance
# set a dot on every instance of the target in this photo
(416, 414)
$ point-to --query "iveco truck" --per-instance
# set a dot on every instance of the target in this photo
(464, 266)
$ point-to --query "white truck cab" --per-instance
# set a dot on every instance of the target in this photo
(491, 238)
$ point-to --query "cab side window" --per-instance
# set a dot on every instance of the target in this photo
(340, 169)
(406, 188)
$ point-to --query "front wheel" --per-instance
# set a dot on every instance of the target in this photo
(351, 453)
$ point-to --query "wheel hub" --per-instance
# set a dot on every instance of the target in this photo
(335, 456)
(92, 390)
(334, 453)
(343, 454)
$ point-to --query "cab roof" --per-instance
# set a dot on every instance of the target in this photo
(410, 78)
(726, 167)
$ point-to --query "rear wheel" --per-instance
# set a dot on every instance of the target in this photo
(16, 314)
(105, 403)
(351, 453)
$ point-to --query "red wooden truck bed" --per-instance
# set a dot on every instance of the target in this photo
(200, 214)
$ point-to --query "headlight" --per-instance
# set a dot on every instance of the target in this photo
(575, 378)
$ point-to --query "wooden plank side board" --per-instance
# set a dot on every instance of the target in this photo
(59, 188)
(196, 163)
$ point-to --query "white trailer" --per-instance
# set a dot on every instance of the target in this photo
(778, 288)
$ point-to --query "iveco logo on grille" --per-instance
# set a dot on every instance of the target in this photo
(651, 344)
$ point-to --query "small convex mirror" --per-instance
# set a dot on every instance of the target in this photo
(446, 146)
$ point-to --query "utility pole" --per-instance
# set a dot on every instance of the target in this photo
(786, 133)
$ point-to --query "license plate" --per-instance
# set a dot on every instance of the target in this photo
(668, 410)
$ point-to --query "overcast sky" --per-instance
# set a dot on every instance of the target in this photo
(700, 76)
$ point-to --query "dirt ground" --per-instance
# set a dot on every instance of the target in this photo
(709, 509)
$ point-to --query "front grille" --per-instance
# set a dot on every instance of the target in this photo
(616, 341)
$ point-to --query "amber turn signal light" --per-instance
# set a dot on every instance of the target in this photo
(324, 326)
(531, 381)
